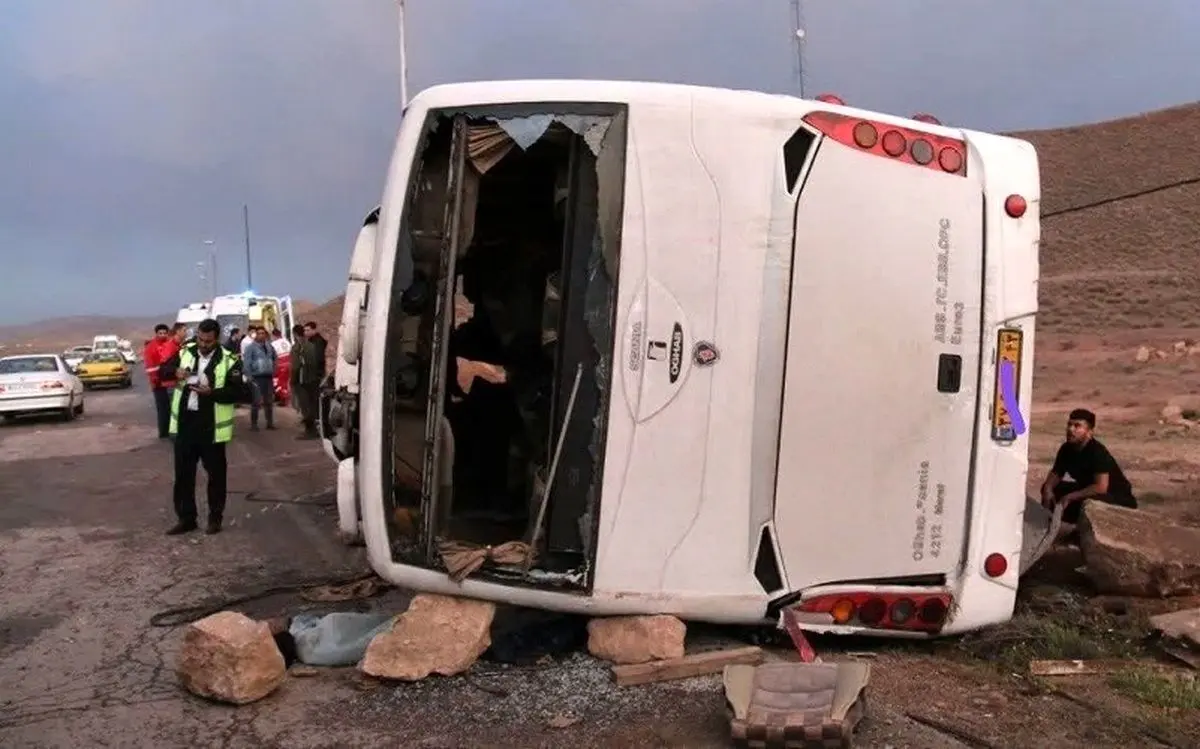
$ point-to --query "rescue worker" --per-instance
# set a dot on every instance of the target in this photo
(210, 381)
(165, 344)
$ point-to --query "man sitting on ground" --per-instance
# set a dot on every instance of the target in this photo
(1084, 469)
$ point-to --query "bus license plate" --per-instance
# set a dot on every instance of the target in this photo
(1008, 350)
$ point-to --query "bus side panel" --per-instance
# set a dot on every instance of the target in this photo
(1010, 301)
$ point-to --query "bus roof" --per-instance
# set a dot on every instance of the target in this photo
(668, 95)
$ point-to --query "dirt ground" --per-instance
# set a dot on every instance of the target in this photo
(84, 566)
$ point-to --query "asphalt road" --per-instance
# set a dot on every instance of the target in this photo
(84, 565)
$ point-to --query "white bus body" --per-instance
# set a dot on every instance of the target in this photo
(243, 310)
(786, 315)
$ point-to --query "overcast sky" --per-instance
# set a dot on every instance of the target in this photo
(133, 130)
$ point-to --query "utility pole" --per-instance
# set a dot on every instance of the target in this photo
(798, 37)
(246, 223)
(212, 274)
(403, 58)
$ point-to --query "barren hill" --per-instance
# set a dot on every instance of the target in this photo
(56, 334)
(1121, 222)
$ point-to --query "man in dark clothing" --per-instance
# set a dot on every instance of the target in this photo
(209, 381)
(234, 342)
(308, 369)
(1084, 469)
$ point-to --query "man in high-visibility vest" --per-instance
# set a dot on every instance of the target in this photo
(209, 383)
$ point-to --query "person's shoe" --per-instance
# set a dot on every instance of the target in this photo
(183, 526)
(213, 527)
(270, 427)
(254, 427)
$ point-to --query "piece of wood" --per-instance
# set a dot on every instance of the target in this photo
(1075, 668)
(698, 664)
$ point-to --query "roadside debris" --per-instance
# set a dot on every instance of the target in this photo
(1180, 633)
(686, 667)
(797, 704)
(436, 635)
(636, 639)
(231, 658)
(337, 639)
(1134, 552)
(1076, 668)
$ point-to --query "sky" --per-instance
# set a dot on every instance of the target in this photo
(131, 131)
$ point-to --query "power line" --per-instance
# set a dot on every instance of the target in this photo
(1120, 198)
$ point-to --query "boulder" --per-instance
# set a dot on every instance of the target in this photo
(1172, 414)
(1133, 552)
(436, 635)
(1143, 354)
(636, 639)
(230, 657)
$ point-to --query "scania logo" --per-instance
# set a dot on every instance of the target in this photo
(676, 362)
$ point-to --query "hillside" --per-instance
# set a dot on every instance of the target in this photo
(56, 334)
(1133, 262)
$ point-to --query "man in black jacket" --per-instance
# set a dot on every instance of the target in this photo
(310, 358)
(209, 382)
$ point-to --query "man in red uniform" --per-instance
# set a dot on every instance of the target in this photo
(166, 343)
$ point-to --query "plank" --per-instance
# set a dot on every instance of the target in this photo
(1075, 668)
(697, 664)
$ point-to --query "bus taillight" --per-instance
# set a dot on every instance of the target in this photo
(897, 143)
(920, 612)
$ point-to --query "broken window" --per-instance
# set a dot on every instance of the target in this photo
(503, 339)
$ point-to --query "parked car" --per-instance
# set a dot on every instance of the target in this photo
(74, 355)
(38, 383)
(104, 369)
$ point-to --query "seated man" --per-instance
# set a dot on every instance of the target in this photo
(1092, 471)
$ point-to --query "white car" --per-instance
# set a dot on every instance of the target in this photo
(38, 384)
(74, 355)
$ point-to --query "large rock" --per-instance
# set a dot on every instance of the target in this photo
(1132, 552)
(436, 635)
(636, 639)
(231, 658)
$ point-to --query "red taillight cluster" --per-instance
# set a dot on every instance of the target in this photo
(919, 612)
(898, 143)
(53, 385)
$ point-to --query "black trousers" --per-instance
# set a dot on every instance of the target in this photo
(188, 454)
(308, 399)
(162, 408)
(1071, 511)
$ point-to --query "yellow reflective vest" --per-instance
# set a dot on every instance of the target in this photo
(222, 412)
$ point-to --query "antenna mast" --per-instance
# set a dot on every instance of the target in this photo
(798, 34)
(403, 57)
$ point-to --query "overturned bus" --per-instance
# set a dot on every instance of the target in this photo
(626, 348)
